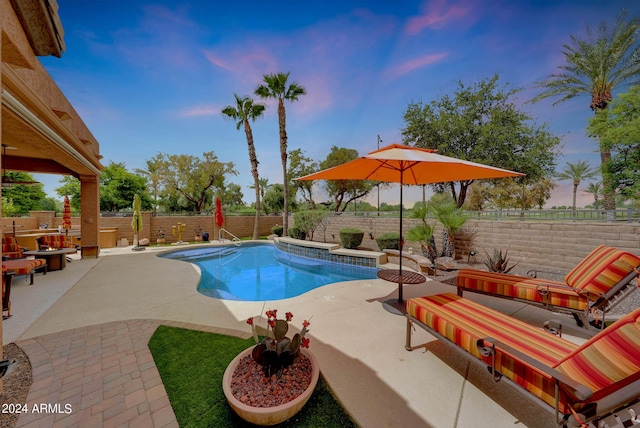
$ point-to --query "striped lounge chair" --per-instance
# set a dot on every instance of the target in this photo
(589, 290)
(11, 249)
(580, 383)
(25, 267)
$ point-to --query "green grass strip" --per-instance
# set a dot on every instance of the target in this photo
(191, 364)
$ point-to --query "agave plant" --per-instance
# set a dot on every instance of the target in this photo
(277, 351)
(499, 262)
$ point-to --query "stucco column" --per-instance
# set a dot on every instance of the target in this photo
(90, 217)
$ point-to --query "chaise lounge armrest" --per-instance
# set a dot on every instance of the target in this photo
(576, 390)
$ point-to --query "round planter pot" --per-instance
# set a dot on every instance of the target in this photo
(266, 416)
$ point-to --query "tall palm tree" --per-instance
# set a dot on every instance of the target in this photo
(152, 173)
(595, 189)
(244, 111)
(576, 172)
(607, 59)
(275, 86)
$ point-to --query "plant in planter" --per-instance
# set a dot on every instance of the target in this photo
(271, 382)
(160, 237)
(277, 351)
(423, 233)
(198, 236)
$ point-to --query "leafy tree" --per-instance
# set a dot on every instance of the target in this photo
(70, 186)
(576, 172)
(606, 59)
(192, 177)
(299, 166)
(480, 123)
(344, 192)
(275, 86)
(596, 190)
(274, 198)
(263, 185)
(619, 131)
(231, 195)
(8, 208)
(24, 198)
(118, 186)
(244, 111)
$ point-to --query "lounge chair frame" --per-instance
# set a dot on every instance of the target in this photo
(614, 409)
(591, 318)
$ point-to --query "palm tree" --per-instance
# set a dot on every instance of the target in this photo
(605, 60)
(152, 173)
(275, 86)
(576, 172)
(264, 185)
(244, 111)
(595, 189)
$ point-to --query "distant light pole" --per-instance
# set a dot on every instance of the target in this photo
(378, 185)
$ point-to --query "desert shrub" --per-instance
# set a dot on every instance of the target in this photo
(351, 237)
(297, 233)
(277, 230)
(388, 240)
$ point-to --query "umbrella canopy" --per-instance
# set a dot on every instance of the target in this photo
(66, 214)
(219, 216)
(409, 165)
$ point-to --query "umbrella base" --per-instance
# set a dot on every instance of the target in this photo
(395, 306)
(138, 249)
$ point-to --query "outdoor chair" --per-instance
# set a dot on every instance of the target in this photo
(25, 267)
(11, 249)
(592, 288)
(579, 384)
(7, 278)
(55, 241)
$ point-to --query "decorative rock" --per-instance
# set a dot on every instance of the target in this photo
(144, 242)
(446, 263)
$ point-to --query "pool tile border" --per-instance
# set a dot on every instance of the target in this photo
(330, 252)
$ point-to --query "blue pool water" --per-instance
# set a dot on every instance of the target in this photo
(256, 272)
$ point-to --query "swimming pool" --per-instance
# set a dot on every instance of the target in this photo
(257, 272)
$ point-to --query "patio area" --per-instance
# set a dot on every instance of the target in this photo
(85, 330)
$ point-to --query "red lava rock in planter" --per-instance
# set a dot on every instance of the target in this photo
(269, 401)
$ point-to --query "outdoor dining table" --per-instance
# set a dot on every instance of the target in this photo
(396, 306)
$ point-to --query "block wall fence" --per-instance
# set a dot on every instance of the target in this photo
(558, 245)
(554, 245)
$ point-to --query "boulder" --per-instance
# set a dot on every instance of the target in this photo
(446, 263)
(144, 242)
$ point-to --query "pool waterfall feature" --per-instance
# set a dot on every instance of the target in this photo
(330, 252)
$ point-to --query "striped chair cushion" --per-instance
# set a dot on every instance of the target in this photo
(531, 289)
(56, 241)
(12, 250)
(603, 268)
(609, 360)
(464, 322)
(23, 266)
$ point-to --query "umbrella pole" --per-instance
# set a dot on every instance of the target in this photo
(400, 300)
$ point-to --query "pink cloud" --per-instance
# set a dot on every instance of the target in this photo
(437, 14)
(198, 111)
(414, 64)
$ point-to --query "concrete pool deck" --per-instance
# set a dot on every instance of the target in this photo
(85, 331)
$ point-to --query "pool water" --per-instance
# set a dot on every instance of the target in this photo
(257, 272)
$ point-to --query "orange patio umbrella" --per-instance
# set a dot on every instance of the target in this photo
(66, 215)
(409, 165)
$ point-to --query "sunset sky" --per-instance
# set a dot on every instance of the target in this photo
(153, 76)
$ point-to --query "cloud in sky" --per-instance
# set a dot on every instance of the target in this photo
(438, 14)
(413, 64)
